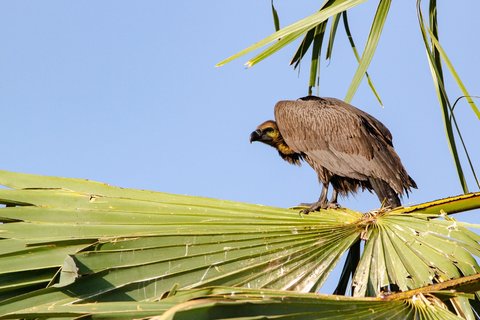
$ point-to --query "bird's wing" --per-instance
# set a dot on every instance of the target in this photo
(379, 127)
(341, 138)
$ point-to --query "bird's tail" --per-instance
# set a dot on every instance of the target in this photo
(387, 196)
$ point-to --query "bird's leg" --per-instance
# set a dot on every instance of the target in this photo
(321, 203)
(333, 204)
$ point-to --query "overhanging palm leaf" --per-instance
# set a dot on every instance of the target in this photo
(288, 34)
(313, 29)
(121, 244)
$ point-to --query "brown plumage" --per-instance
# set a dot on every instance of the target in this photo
(347, 148)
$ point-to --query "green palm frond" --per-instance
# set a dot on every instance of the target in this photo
(276, 20)
(370, 47)
(357, 56)
(436, 55)
(67, 242)
(289, 33)
(412, 251)
(139, 244)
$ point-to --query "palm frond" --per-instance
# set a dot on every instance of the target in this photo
(67, 242)
(357, 56)
(370, 47)
(436, 55)
(139, 244)
(289, 33)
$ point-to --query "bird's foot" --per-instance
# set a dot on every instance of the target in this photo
(316, 206)
(333, 205)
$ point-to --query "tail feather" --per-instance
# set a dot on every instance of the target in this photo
(411, 183)
(385, 193)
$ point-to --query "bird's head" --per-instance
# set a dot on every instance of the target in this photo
(267, 133)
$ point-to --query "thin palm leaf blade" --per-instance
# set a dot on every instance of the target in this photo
(435, 64)
(316, 53)
(357, 56)
(303, 48)
(287, 34)
(448, 205)
(454, 73)
(333, 33)
(276, 20)
(370, 47)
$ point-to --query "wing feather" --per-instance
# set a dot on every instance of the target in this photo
(343, 139)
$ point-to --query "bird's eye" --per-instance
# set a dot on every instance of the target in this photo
(267, 130)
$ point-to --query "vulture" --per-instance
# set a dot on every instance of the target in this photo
(348, 148)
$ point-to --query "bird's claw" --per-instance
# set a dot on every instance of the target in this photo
(333, 205)
(317, 206)
(314, 207)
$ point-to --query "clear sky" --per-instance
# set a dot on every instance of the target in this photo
(126, 92)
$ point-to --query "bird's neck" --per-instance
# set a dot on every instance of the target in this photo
(288, 154)
(284, 149)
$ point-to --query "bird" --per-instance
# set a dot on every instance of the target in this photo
(348, 149)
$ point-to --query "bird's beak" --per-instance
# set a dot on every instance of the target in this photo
(255, 135)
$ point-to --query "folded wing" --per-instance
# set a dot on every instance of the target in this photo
(343, 139)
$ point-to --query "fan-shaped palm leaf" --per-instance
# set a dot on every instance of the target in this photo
(70, 241)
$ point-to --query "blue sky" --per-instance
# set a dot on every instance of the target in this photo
(126, 92)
